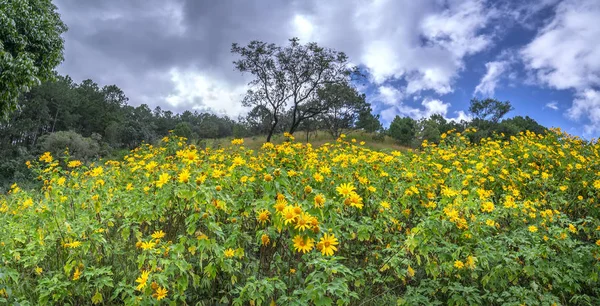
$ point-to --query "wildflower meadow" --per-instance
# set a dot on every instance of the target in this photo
(511, 222)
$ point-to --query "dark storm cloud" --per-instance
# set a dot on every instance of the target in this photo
(135, 44)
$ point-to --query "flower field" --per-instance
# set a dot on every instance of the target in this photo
(498, 223)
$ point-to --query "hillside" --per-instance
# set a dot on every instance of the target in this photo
(291, 224)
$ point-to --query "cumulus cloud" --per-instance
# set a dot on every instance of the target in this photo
(488, 82)
(566, 55)
(150, 48)
(428, 107)
(587, 104)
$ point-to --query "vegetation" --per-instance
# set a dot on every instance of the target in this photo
(131, 205)
(292, 75)
(30, 47)
(499, 223)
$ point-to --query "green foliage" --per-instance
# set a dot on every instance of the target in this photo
(489, 109)
(341, 105)
(30, 47)
(183, 129)
(368, 122)
(494, 223)
(290, 75)
(79, 147)
(403, 130)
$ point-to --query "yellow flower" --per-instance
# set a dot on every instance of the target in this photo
(229, 253)
(184, 176)
(73, 245)
(345, 189)
(327, 244)
(162, 180)
(265, 239)
(148, 245)
(303, 245)
(76, 274)
(289, 215)
(280, 205)
(161, 293)
(303, 221)
(572, 229)
(532, 228)
(267, 177)
(318, 177)
(263, 216)
(74, 164)
(46, 157)
(459, 264)
(307, 189)
(487, 207)
(158, 234)
(319, 200)
(471, 262)
(142, 280)
(410, 271)
(354, 200)
(490, 222)
(598, 242)
(97, 171)
(38, 270)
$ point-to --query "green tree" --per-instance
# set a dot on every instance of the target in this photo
(489, 109)
(403, 130)
(289, 75)
(341, 105)
(30, 47)
(367, 121)
(183, 129)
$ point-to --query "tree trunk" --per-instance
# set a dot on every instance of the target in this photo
(272, 130)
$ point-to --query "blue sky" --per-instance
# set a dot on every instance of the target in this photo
(423, 57)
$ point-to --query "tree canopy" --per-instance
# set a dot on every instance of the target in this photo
(489, 109)
(290, 76)
(30, 47)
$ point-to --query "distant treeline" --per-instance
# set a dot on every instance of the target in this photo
(95, 122)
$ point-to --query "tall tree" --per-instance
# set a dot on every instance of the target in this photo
(289, 75)
(341, 105)
(367, 121)
(489, 109)
(30, 47)
(403, 130)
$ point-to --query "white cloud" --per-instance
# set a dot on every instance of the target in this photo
(566, 55)
(196, 91)
(429, 107)
(489, 81)
(587, 104)
(552, 105)
(421, 42)
(461, 116)
(566, 52)
(303, 27)
(435, 106)
(181, 50)
(389, 95)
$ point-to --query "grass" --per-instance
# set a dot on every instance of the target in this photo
(316, 138)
